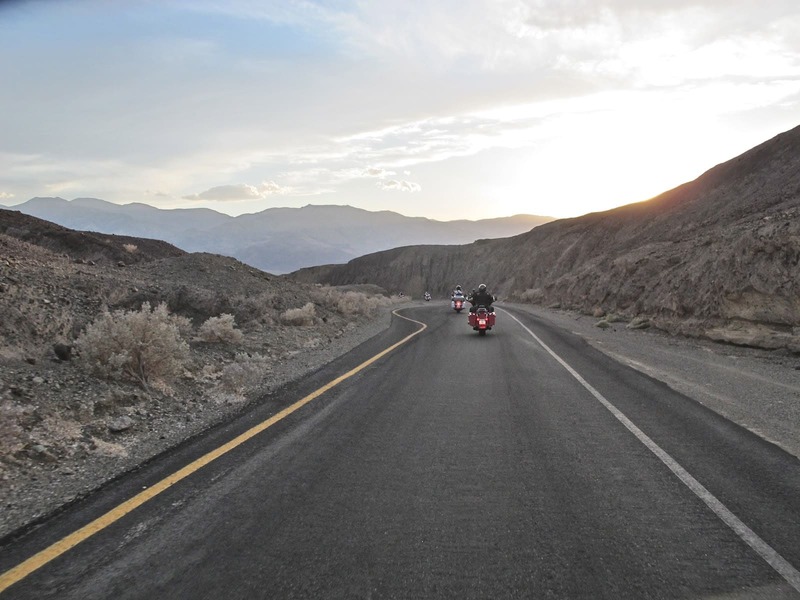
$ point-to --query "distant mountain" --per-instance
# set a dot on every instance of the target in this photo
(277, 240)
(717, 257)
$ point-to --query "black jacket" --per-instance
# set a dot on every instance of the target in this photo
(481, 298)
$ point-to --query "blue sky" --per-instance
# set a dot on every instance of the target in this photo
(444, 109)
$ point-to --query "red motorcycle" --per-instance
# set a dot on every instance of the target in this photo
(481, 320)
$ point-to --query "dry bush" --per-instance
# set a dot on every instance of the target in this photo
(255, 309)
(246, 372)
(357, 303)
(326, 296)
(221, 329)
(350, 302)
(300, 316)
(131, 248)
(144, 346)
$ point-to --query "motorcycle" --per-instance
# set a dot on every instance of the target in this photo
(458, 303)
(427, 296)
(481, 320)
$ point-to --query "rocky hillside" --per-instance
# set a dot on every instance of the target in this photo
(717, 257)
(67, 426)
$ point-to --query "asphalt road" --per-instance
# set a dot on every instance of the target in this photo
(522, 464)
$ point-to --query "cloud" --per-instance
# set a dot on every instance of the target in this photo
(400, 186)
(377, 172)
(241, 191)
(6, 196)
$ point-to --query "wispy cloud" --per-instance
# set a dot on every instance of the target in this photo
(399, 186)
(241, 191)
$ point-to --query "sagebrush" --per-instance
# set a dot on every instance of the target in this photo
(144, 346)
(245, 373)
(221, 329)
(350, 302)
(300, 316)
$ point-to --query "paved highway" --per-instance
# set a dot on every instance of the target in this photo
(522, 464)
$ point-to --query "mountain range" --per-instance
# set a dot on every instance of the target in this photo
(717, 257)
(276, 240)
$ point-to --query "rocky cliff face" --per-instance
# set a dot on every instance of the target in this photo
(717, 257)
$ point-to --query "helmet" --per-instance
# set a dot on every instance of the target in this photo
(458, 287)
(482, 287)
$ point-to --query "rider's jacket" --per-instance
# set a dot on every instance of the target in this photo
(481, 299)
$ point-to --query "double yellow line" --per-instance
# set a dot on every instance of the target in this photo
(52, 552)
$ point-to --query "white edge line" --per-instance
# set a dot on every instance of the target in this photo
(767, 552)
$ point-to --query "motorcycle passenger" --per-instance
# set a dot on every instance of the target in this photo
(481, 298)
(456, 294)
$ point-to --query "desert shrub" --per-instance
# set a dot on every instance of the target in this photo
(350, 302)
(144, 346)
(326, 296)
(356, 303)
(246, 372)
(130, 248)
(300, 316)
(221, 329)
(258, 308)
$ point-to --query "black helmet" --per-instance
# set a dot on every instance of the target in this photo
(458, 287)
(482, 287)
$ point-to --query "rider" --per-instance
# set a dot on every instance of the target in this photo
(457, 293)
(481, 298)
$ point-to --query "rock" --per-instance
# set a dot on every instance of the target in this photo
(62, 351)
(120, 424)
(41, 453)
(30, 360)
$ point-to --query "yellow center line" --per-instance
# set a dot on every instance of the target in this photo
(40, 559)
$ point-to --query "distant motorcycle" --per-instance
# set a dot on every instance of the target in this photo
(427, 296)
(458, 303)
(481, 320)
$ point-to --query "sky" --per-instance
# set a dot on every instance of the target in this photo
(443, 109)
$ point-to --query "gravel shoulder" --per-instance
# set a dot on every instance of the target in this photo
(758, 389)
